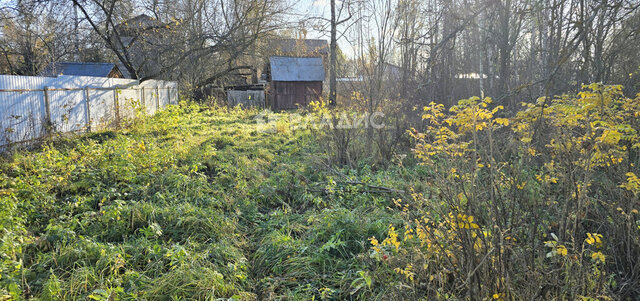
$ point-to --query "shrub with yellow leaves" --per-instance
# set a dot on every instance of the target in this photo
(500, 187)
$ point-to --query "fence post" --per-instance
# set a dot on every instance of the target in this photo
(157, 98)
(87, 109)
(142, 102)
(48, 125)
(117, 106)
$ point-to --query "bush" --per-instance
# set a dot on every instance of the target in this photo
(202, 203)
(541, 205)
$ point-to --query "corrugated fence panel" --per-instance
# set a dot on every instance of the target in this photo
(164, 97)
(102, 107)
(66, 81)
(161, 92)
(22, 116)
(75, 103)
(68, 110)
(22, 112)
(128, 100)
(23, 82)
(149, 100)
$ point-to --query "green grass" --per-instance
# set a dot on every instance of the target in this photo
(194, 203)
(199, 203)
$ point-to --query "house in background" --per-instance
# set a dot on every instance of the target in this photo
(300, 47)
(294, 81)
(142, 37)
(145, 39)
(82, 69)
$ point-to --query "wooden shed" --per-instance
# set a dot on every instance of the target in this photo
(295, 81)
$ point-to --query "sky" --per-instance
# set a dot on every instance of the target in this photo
(312, 8)
(319, 8)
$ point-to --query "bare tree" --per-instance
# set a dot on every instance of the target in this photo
(33, 35)
(187, 31)
(341, 18)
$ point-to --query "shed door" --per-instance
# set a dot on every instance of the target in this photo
(285, 95)
(290, 95)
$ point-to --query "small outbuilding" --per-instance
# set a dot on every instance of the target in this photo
(82, 69)
(295, 81)
(246, 95)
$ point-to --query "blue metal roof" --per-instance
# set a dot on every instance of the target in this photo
(296, 69)
(78, 69)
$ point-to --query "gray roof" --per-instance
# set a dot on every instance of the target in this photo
(79, 69)
(296, 69)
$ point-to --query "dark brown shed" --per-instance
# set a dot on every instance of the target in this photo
(295, 81)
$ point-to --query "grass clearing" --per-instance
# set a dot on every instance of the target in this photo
(200, 203)
(192, 203)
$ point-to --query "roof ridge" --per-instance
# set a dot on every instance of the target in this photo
(297, 57)
(86, 63)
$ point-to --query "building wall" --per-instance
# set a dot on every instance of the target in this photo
(291, 95)
(250, 98)
(115, 73)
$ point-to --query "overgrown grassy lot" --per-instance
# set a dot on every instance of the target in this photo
(192, 203)
(202, 203)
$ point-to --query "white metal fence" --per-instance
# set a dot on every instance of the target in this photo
(34, 107)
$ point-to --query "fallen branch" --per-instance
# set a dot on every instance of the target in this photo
(373, 188)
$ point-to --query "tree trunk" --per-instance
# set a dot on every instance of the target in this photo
(504, 51)
(332, 65)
